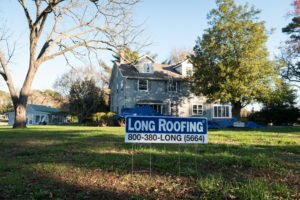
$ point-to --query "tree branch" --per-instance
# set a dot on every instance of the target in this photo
(6, 76)
(22, 3)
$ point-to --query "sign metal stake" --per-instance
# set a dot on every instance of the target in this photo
(132, 155)
(150, 159)
(196, 155)
(179, 158)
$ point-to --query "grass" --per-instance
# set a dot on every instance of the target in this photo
(61, 162)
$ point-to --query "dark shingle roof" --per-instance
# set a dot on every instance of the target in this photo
(41, 108)
(160, 72)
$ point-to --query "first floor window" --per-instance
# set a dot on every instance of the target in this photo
(198, 109)
(143, 85)
(37, 118)
(222, 111)
(174, 108)
(156, 107)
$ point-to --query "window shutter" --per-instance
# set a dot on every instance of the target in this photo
(149, 85)
(178, 86)
(136, 87)
(166, 86)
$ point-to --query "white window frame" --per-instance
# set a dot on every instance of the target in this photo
(147, 85)
(169, 86)
(148, 68)
(198, 105)
(218, 117)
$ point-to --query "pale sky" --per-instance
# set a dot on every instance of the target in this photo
(168, 23)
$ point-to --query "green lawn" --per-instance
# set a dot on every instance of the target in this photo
(61, 162)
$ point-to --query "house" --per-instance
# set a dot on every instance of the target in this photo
(166, 88)
(38, 114)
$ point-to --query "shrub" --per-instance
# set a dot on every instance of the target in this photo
(111, 119)
(276, 115)
(104, 119)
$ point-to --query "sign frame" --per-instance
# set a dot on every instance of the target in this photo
(197, 134)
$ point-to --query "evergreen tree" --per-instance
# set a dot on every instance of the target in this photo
(129, 55)
(280, 108)
(230, 60)
(291, 51)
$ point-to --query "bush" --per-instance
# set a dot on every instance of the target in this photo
(111, 119)
(103, 119)
(276, 115)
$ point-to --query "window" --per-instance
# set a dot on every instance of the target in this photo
(198, 109)
(37, 119)
(172, 86)
(174, 108)
(121, 85)
(148, 68)
(221, 111)
(189, 71)
(156, 107)
(143, 85)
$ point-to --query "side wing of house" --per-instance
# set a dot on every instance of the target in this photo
(117, 92)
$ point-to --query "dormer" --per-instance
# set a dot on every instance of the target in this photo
(145, 65)
(185, 68)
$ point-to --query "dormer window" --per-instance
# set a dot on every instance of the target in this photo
(189, 71)
(148, 68)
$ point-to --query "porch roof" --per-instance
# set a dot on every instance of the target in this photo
(149, 102)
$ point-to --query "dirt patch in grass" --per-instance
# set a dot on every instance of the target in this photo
(99, 183)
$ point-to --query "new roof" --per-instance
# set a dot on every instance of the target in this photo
(160, 71)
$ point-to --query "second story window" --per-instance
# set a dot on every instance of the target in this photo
(143, 85)
(172, 86)
(121, 85)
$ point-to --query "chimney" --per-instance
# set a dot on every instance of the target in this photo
(122, 55)
(297, 7)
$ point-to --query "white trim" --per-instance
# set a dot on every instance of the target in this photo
(197, 109)
(139, 85)
(221, 105)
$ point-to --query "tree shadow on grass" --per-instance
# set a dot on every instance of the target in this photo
(66, 164)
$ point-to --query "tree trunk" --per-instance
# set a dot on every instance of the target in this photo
(20, 116)
(236, 110)
(21, 102)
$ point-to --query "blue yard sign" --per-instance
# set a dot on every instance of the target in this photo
(161, 129)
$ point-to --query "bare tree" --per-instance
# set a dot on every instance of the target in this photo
(100, 76)
(179, 54)
(69, 28)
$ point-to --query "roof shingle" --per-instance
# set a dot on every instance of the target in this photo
(161, 71)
